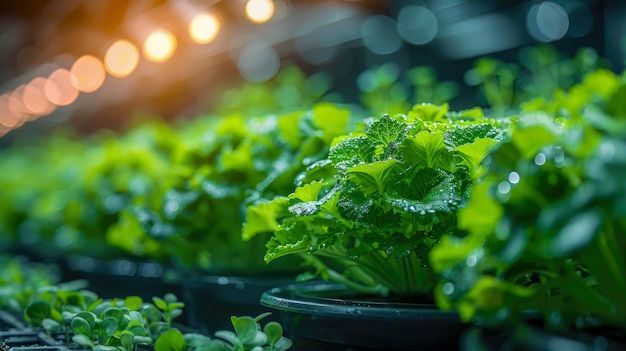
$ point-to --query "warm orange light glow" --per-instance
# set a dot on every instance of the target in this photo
(16, 104)
(121, 58)
(87, 74)
(260, 11)
(34, 98)
(204, 28)
(59, 89)
(8, 118)
(159, 46)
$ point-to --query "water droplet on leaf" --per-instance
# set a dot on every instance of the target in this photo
(448, 288)
(540, 159)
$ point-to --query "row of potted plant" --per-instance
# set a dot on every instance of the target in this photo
(36, 313)
(383, 206)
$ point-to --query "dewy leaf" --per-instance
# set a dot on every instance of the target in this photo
(287, 241)
(308, 192)
(305, 208)
(428, 190)
(462, 135)
(473, 154)
(424, 149)
(373, 177)
(386, 130)
(352, 151)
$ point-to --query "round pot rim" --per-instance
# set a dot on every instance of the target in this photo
(326, 298)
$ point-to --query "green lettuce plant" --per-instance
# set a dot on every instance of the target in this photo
(545, 223)
(369, 214)
(237, 161)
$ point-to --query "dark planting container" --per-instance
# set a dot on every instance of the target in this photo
(211, 299)
(8, 322)
(527, 337)
(111, 278)
(328, 316)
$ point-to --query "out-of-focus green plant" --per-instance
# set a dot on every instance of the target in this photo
(428, 89)
(545, 72)
(381, 90)
(496, 81)
(197, 220)
(290, 89)
(386, 89)
(20, 280)
(542, 74)
(546, 224)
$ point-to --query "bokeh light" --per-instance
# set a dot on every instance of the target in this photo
(580, 14)
(258, 62)
(204, 28)
(417, 24)
(87, 74)
(121, 58)
(8, 118)
(380, 35)
(59, 89)
(159, 46)
(16, 105)
(260, 11)
(35, 99)
(547, 21)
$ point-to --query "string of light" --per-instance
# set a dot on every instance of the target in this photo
(42, 95)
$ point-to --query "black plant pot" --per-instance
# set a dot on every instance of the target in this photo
(111, 278)
(526, 337)
(8, 322)
(211, 299)
(328, 316)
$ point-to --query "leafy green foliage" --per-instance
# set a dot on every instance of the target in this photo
(247, 336)
(387, 196)
(239, 161)
(385, 89)
(545, 220)
(20, 280)
(103, 325)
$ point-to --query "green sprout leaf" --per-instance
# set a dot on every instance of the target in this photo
(37, 311)
(80, 325)
(171, 340)
(83, 340)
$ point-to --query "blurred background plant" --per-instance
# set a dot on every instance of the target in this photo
(545, 223)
